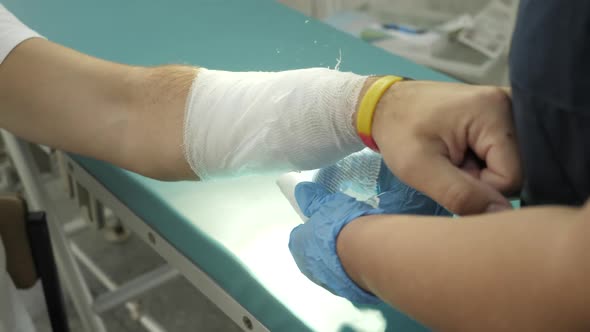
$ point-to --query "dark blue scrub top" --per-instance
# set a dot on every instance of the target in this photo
(550, 76)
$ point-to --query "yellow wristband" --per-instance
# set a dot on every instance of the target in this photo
(364, 119)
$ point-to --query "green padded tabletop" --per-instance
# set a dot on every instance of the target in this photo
(235, 230)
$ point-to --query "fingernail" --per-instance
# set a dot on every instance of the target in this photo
(496, 207)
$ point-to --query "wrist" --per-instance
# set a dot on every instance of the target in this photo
(368, 82)
(383, 105)
(345, 243)
(391, 101)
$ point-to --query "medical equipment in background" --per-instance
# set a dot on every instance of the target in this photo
(466, 39)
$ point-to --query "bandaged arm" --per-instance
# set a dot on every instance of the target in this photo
(134, 117)
(243, 123)
(524, 270)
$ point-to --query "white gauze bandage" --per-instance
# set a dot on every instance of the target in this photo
(241, 123)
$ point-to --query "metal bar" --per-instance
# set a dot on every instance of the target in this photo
(75, 226)
(134, 288)
(96, 211)
(187, 268)
(92, 268)
(148, 323)
(47, 269)
(37, 199)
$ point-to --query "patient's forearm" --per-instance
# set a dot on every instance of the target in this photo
(134, 117)
(129, 116)
(523, 270)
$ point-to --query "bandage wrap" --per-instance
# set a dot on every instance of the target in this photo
(251, 122)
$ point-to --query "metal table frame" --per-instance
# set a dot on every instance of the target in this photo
(92, 195)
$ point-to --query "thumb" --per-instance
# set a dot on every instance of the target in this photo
(455, 189)
(310, 196)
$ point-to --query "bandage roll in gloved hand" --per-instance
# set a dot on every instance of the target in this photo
(365, 176)
(396, 197)
(313, 244)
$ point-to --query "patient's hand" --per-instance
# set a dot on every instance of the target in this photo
(431, 135)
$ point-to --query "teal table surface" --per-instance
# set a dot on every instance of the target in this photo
(235, 230)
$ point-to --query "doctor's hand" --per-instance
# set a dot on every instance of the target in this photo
(454, 142)
(395, 197)
(313, 244)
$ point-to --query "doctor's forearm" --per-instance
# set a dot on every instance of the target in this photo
(523, 270)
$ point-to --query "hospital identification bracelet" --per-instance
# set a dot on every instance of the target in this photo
(364, 118)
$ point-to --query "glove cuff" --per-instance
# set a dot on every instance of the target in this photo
(347, 287)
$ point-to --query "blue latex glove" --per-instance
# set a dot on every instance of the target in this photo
(395, 197)
(313, 244)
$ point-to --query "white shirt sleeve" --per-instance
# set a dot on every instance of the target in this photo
(12, 32)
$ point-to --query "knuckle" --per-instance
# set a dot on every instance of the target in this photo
(458, 198)
(511, 177)
(498, 96)
(499, 100)
(513, 181)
